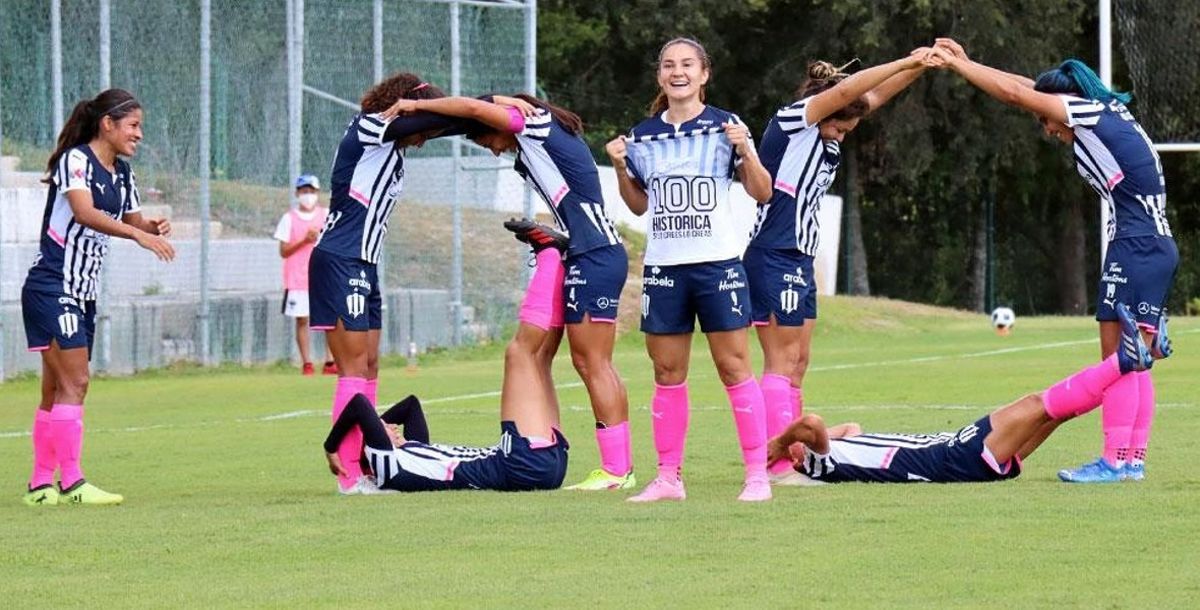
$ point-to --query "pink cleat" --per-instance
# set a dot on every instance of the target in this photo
(663, 489)
(756, 490)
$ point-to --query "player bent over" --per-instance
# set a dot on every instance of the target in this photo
(991, 449)
(532, 452)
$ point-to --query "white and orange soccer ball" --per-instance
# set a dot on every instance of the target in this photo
(1003, 319)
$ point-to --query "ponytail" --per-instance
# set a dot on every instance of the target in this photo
(84, 123)
(1075, 78)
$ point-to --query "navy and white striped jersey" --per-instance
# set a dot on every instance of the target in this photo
(70, 255)
(368, 174)
(559, 166)
(1116, 157)
(416, 466)
(947, 457)
(802, 166)
(687, 170)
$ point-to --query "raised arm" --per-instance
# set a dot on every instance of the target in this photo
(877, 97)
(957, 49)
(852, 87)
(998, 85)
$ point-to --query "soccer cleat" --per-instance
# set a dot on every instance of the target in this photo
(791, 478)
(1133, 472)
(601, 480)
(660, 489)
(1093, 472)
(538, 236)
(83, 492)
(1132, 353)
(42, 495)
(1160, 347)
(755, 490)
(365, 486)
(330, 368)
(307, 369)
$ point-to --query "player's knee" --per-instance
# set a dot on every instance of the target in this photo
(670, 373)
(733, 368)
(74, 384)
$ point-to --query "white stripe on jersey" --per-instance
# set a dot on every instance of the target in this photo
(433, 462)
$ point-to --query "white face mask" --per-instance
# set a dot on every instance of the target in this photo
(307, 201)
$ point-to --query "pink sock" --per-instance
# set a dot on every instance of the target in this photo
(371, 391)
(797, 402)
(1082, 391)
(351, 448)
(44, 461)
(1117, 417)
(669, 408)
(614, 449)
(750, 417)
(539, 305)
(1140, 439)
(777, 398)
(66, 427)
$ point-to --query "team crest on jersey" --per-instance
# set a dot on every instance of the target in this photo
(68, 324)
(789, 300)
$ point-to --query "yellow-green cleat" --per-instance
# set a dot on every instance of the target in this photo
(601, 480)
(86, 493)
(42, 495)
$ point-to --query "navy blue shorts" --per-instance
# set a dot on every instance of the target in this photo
(345, 289)
(968, 460)
(593, 284)
(527, 468)
(1139, 272)
(781, 284)
(674, 296)
(58, 317)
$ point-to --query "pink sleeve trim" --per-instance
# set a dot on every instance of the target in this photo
(516, 120)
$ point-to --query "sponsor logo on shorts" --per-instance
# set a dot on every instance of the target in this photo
(67, 301)
(797, 278)
(726, 286)
(575, 277)
(1114, 275)
(654, 280)
(605, 303)
(68, 324)
(360, 281)
(1144, 308)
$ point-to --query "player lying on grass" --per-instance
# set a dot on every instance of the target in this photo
(991, 449)
(532, 452)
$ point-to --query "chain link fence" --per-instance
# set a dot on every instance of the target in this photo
(283, 80)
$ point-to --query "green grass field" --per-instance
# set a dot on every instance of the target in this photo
(228, 502)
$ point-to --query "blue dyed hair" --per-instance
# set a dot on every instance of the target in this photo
(1076, 78)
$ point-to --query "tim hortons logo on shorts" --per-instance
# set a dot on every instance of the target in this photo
(725, 286)
(789, 300)
(68, 323)
(797, 278)
(575, 277)
(356, 304)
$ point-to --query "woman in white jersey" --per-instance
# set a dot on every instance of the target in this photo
(1115, 156)
(92, 196)
(553, 158)
(801, 147)
(679, 164)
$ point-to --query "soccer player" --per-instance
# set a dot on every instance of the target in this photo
(801, 147)
(296, 232)
(553, 158)
(991, 449)
(678, 165)
(91, 196)
(531, 453)
(1115, 156)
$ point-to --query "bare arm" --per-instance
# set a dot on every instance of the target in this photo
(755, 177)
(809, 430)
(634, 195)
(896, 83)
(1007, 90)
(86, 214)
(958, 51)
(831, 100)
(153, 226)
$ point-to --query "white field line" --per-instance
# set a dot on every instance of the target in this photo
(580, 408)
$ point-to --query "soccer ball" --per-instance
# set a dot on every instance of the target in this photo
(1003, 319)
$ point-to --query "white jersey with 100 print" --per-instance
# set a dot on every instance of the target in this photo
(687, 170)
(802, 167)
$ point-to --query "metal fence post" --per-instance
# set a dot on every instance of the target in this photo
(104, 321)
(293, 95)
(531, 89)
(456, 302)
(205, 171)
(56, 76)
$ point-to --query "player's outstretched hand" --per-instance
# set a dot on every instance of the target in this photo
(616, 152)
(156, 244)
(335, 464)
(951, 45)
(162, 226)
(402, 106)
(525, 108)
(942, 58)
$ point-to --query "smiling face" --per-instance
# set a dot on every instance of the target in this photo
(123, 134)
(1057, 130)
(496, 141)
(682, 73)
(836, 129)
